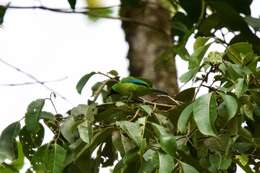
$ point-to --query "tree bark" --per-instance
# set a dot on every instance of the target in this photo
(148, 45)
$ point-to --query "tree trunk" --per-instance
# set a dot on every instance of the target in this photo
(148, 45)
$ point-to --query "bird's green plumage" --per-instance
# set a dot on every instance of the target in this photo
(131, 86)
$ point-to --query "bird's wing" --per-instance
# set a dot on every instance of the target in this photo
(135, 81)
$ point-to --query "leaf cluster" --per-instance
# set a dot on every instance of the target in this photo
(188, 133)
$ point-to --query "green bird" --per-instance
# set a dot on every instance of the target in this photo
(132, 86)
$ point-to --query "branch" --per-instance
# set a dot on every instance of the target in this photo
(33, 78)
(89, 11)
(32, 83)
(170, 106)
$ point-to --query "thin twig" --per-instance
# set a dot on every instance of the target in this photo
(205, 78)
(90, 11)
(32, 83)
(172, 99)
(157, 104)
(53, 95)
(105, 75)
(135, 115)
(33, 78)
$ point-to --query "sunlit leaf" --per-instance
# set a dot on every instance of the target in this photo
(200, 41)
(147, 109)
(205, 114)
(236, 51)
(240, 87)
(197, 56)
(166, 163)
(133, 130)
(69, 129)
(19, 162)
(167, 140)
(247, 109)
(231, 105)
(189, 75)
(85, 131)
(186, 168)
(184, 118)
(151, 161)
(7, 169)
(243, 159)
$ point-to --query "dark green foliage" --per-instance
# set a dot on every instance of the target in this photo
(135, 129)
(33, 114)
(8, 145)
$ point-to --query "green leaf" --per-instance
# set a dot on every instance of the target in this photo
(49, 159)
(235, 52)
(85, 131)
(113, 72)
(219, 162)
(72, 3)
(7, 169)
(30, 140)
(184, 118)
(200, 41)
(231, 105)
(19, 162)
(151, 161)
(243, 159)
(197, 56)
(186, 168)
(8, 146)
(2, 13)
(182, 52)
(117, 142)
(33, 114)
(69, 129)
(126, 161)
(186, 95)
(247, 109)
(47, 116)
(254, 22)
(167, 140)
(240, 87)
(133, 130)
(147, 109)
(166, 164)
(189, 75)
(16, 165)
(82, 82)
(83, 111)
(205, 114)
